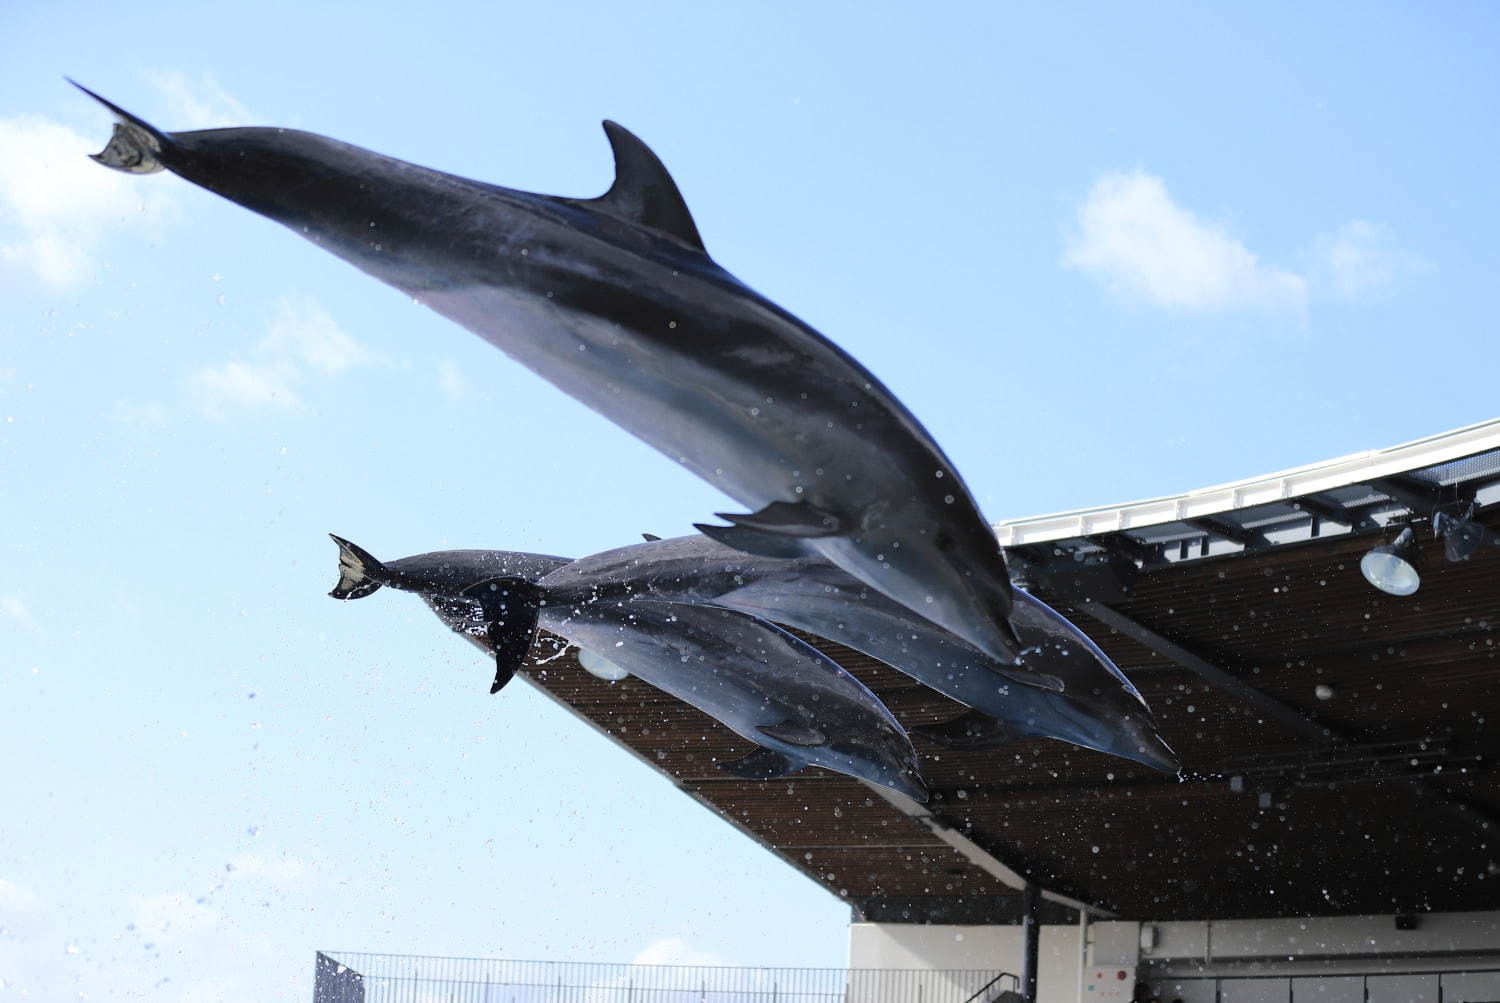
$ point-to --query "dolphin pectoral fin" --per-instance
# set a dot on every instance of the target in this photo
(762, 764)
(510, 608)
(1019, 672)
(799, 519)
(972, 730)
(359, 572)
(1037, 680)
(644, 194)
(754, 541)
(650, 537)
(505, 667)
(793, 733)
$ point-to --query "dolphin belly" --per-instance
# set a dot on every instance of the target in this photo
(679, 411)
(759, 681)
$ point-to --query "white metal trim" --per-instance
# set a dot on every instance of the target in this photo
(1325, 476)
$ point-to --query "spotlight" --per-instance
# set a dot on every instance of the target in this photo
(1392, 567)
(1461, 535)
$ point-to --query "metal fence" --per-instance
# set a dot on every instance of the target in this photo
(354, 977)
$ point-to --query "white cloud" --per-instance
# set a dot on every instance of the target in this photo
(675, 951)
(281, 871)
(451, 380)
(1361, 257)
(31, 951)
(172, 948)
(1130, 236)
(303, 332)
(302, 340)
(244, 383)
(148, 415)
(56, 204)
(197, 103)
(14, 609)
(173, 918)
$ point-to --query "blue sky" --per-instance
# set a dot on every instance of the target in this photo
(1104, 253)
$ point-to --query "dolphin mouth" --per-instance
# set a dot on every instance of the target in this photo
(1152, 750)
(911, 784)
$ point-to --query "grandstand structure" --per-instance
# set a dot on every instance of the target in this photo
(1335, 833)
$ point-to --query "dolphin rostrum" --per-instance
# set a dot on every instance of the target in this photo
(616, 302)
(1095, 706)
(796, 704)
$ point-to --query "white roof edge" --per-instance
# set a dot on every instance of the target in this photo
(1352, 469)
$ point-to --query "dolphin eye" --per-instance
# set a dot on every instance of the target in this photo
(943, 542)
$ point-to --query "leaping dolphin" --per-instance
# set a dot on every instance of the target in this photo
(440, 578)
(796, 704)
(1094, 706)
(616, 302)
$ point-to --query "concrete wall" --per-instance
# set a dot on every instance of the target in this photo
(1325, 937)
(1307, 960)
(910, 945)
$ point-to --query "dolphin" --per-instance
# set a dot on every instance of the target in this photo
(616, 301)
(440, 578)
(796, 704)
(1095, 707)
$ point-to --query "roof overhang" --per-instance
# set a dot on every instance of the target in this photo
(1337, 742)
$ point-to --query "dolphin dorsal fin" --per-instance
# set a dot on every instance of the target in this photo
(643, 192)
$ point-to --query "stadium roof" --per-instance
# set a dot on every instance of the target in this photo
(1336, 741)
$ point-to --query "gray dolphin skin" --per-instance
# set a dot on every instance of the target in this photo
(440, 578)
(616, 302)
(797, 705)
(1095, 706)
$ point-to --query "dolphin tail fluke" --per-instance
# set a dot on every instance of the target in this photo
(136, 145)
(762, 764)
(972, 730)
(511, 608)
(359, 572)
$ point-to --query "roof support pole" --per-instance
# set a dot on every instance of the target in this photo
(1031, 933)
(1288, 717)
(974, 853)
(1083, 950)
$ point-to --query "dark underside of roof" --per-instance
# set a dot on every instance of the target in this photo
(1340, 765)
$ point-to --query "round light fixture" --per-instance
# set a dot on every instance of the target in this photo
(598, 665)
(1461, 535)
(1392, 567)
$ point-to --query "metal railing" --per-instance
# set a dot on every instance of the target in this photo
(357, 977)
(1006, 983)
